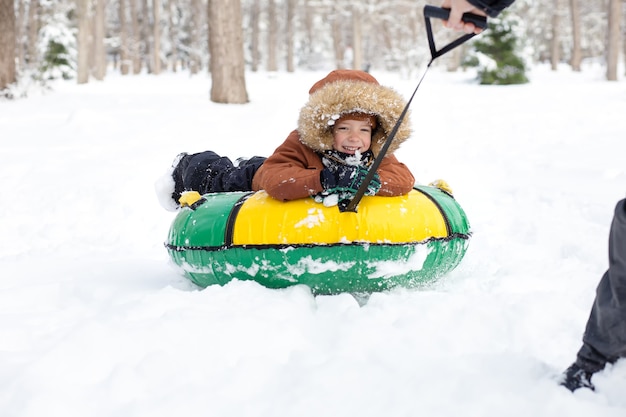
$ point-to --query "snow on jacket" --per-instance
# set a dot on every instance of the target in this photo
(293, 170)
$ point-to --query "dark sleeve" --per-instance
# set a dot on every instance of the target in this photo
(491, 7)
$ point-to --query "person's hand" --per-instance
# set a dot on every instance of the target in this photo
(457, 8)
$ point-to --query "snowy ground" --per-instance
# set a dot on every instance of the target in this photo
(94, 320)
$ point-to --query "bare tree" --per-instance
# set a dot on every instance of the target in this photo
(8, 73)
(554, 43)
(33, 32)
(338, 42)
(226, 49)
(173, 33)
(357, 38)
(577, 55)
(454, 58)
(84, 32)
(144, 35)
(291, 32)
(19, 35)
(309, 26)
(136, 39)
(613, 47)
(124, 58)
(195, 61)
(156, 34)
(272, 36)
(255, 12)
(99, 63)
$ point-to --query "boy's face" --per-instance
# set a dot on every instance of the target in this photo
(351, 136)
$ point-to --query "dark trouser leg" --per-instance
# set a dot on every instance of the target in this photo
(197, 169)
(239, 178)
(605, 335)
(207, 172)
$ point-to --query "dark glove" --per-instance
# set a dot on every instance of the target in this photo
(345, 180)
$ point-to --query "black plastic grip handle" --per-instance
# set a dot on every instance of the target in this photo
(444, 14)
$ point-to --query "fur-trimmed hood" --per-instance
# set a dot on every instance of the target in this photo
(348, 91)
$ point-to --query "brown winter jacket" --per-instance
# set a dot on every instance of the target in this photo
(293, 170)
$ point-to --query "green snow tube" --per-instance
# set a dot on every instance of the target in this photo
(405, 241)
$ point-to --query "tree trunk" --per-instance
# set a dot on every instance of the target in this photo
(84, 31)
(309, 26)
(156, 34)
(554, 43)
(454, 58)
(19, 35)
(255, 11)
(136, 38)
(145, 35)
(100, 60)
(173, 34)
(357, 39)
(228, 82)
(613, 47)
(8, 73)
(33, 33)
(577, 55)
(124, 61)
(338, 42)
(195, 62)
(272, 36)
(291, 10)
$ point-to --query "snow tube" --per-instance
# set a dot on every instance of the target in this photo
(405, 241)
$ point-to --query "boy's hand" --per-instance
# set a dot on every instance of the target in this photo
(346, 179)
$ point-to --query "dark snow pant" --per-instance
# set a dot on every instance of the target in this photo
(604, 340)
(207, 172)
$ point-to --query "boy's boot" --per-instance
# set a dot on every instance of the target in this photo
(170, 186)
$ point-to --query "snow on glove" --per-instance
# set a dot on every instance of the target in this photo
(345, 180)
(374, 184)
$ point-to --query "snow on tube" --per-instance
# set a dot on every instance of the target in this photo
(405, 241)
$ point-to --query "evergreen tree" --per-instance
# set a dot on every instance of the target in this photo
(57, 62)
(499, 60)
(57, 45)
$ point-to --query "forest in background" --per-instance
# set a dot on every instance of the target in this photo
(85, 39)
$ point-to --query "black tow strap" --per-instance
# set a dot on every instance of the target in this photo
(429, 12)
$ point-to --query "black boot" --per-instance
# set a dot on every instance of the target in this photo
(180, 165)
(169, 186)
(576, 377)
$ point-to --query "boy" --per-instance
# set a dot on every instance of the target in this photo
(340, 131)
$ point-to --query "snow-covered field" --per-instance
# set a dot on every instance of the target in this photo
(95, 321)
